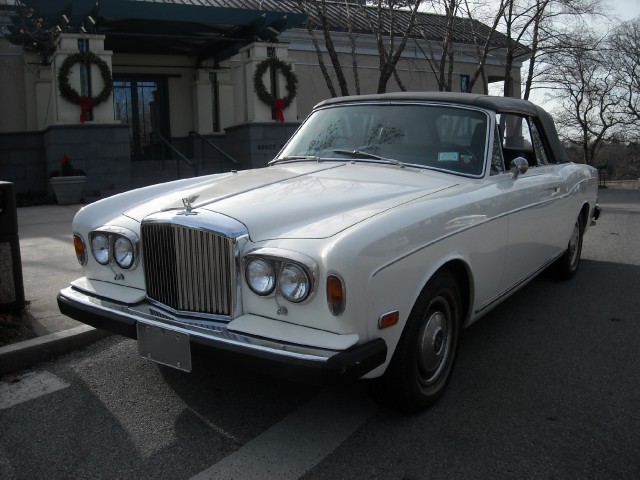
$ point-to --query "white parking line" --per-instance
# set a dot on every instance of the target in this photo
(300, 441)
(28, 387)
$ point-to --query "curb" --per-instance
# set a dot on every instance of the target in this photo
(22, 355)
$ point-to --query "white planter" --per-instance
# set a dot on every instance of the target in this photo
(68, 190)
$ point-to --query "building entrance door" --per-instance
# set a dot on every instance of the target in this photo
(142, 104)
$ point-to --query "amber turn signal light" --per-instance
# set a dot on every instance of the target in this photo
(335, 295)
(389, 319)
(81, 251)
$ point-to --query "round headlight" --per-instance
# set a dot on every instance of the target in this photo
(260, 276)
(123, 252)
(294, 283)
(100, 248)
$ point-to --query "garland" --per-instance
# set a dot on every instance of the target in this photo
(71, 95)
(261, 91)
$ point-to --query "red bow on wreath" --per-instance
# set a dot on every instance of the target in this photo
(85, 105)
(279, 105)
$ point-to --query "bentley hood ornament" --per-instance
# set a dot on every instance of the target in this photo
(188, 205)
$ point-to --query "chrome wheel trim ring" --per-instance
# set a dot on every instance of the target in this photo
(434, 346)
(574, 244)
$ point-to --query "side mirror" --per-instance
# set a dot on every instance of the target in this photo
(518, 166)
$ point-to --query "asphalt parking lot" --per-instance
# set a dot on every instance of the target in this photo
(545, 386)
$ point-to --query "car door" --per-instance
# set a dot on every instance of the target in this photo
(536, 226)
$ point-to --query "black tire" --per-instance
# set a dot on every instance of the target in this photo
(424, 357)
(567, 265)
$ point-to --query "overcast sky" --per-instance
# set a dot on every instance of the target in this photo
(626, 9)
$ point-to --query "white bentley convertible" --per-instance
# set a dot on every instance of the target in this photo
(385, 225)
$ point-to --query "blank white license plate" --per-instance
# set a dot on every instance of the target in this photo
(165, 346)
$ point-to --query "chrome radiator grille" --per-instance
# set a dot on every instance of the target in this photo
(189, 269)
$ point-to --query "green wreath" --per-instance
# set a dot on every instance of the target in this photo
(71, 95)
(289, 75)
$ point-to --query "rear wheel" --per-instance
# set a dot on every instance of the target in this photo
(567, 265)
(423, 360)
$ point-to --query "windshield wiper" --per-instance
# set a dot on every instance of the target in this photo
(372, 156)
(314, 158)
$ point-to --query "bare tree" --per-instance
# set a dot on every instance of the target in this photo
(624, 61)
(385, 19)
(531, 28)
(317, 18)
(352, 41)
(588, 116)
(441, 62)
(552, 21)
(323, 66)
(488, 42)
(29, 29)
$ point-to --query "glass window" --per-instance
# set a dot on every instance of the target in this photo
(440, 137)
(497, 161)
(538, 145)
(521, 139)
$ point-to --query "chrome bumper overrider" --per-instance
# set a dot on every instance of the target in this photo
(294, 360)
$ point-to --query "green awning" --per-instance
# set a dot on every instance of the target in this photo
(209, 31)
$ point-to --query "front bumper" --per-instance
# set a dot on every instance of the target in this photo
(295, 362)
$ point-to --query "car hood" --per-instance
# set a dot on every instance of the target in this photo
(301, 201)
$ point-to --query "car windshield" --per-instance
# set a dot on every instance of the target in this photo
(449, 138)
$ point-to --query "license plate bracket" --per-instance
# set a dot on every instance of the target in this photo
(164, 345)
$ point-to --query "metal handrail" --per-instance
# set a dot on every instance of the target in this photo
(215, 147)
(167, 143)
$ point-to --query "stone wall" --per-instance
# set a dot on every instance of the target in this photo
(255, 144)
(210, 159)
(22, 162)
(101, 151)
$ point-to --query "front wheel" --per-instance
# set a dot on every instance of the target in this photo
(567, 265)
(423, 360)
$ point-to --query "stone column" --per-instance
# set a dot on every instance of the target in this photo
(254, 109)
(65, 112)
(203, 101)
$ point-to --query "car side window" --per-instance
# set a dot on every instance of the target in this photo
(497, 160)
(521, 139)
(538, 145)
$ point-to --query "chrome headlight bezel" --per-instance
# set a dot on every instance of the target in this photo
(100, 247)
(294, 291)
(123, 252)
(268, 275)
(113, 234)
(280, 260)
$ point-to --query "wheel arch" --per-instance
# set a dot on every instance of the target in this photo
(584, 215)
(462, 273)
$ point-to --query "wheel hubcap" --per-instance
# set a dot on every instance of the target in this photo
(433, 347)
(574, 244)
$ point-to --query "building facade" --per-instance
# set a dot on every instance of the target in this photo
(183, 97)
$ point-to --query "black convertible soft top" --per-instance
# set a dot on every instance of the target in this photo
(497, 104)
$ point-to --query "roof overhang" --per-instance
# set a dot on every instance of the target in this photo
(148, 27)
